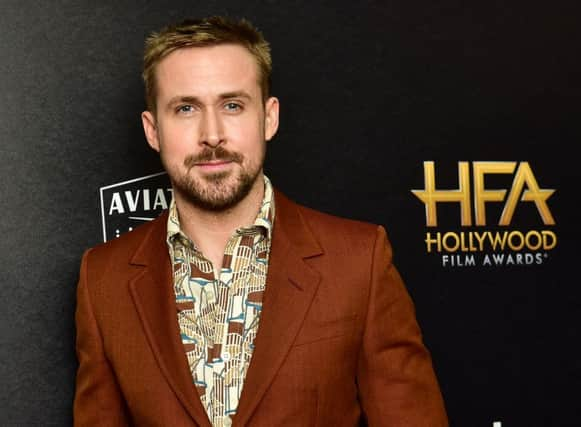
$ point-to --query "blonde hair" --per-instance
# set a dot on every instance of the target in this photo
(209, 31)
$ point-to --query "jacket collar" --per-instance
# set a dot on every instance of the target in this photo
(154, 299)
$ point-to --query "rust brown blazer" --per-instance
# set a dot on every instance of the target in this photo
(338, 341)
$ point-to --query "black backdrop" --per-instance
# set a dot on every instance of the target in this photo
(369, 92)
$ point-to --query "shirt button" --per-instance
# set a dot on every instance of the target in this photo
(225, 356)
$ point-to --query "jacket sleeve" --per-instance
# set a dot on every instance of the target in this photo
(396, 380)
(98, 400)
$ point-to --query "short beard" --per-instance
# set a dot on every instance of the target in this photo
(212, 195)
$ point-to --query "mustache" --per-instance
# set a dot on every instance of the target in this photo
(217, 154)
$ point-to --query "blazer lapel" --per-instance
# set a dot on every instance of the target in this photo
(152, 293)
(290, 287)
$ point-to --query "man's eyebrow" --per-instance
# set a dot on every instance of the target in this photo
(235, 94)
(196, 101)
(183, 99)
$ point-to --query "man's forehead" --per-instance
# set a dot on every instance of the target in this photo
(220, 65)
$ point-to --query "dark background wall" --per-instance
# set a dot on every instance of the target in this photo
(369, 91)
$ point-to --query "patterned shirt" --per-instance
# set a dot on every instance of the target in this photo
(218, 314)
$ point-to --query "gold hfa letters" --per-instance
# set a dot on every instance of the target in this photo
(523, 177)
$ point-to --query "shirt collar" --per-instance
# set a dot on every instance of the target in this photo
(264, 220)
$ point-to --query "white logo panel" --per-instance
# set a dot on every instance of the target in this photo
(127, 204)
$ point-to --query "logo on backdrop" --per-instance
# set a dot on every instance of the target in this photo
(495, 228)
(127, 204)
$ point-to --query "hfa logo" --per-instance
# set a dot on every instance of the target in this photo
(127, 204)
(477, 245)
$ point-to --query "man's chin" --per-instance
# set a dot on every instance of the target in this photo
(215, 203)
(217, 177)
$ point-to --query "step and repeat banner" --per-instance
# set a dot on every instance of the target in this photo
(453, 124)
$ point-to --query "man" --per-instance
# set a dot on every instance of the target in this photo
(238, 306)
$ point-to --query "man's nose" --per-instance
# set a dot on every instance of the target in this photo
(212, 129)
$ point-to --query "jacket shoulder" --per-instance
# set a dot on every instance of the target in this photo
(122, 248)
(340, 234)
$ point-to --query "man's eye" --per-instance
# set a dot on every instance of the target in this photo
(185, 109)
(232, 106)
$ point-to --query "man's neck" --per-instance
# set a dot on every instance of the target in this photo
(210, 230)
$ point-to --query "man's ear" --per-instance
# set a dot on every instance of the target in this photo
(150, 129)
(271, 108)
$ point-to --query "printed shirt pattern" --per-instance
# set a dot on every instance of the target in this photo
(218, 315)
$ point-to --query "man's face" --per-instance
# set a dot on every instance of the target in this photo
(211, 124)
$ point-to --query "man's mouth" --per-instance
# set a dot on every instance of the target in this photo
(213, 165)
(211, 160)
